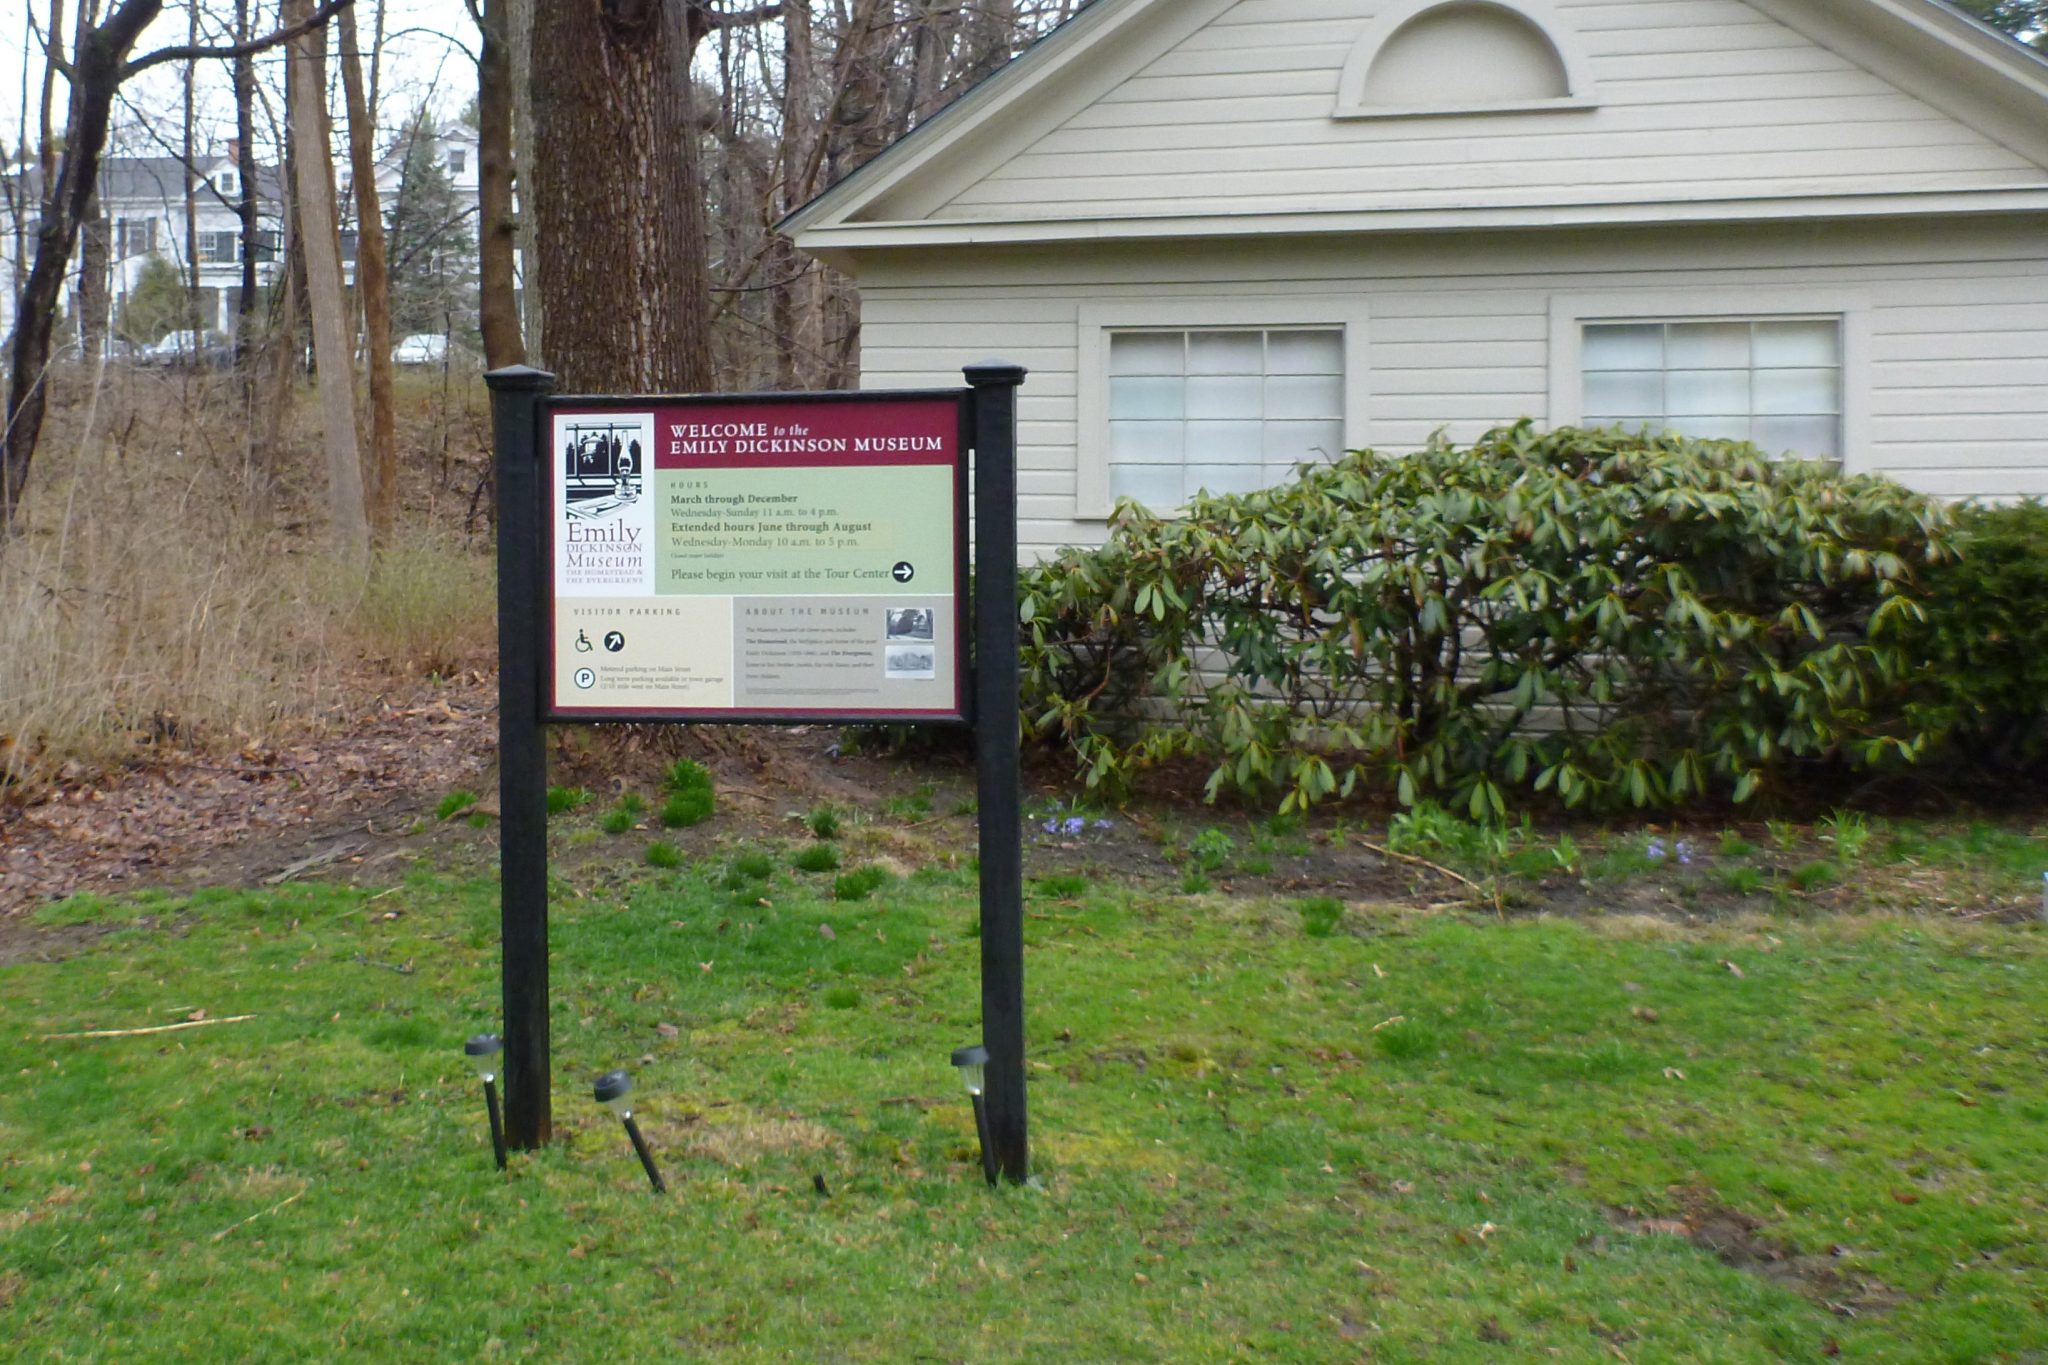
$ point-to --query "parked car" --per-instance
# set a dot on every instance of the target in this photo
(421, 348)
(189, 347)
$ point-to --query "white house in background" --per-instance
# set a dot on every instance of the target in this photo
(454, 149)
(1229, 235)
(143, 199)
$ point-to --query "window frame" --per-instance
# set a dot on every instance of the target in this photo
(1098, 321)
(1570, 314)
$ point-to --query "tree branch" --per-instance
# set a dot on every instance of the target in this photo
(327, 10)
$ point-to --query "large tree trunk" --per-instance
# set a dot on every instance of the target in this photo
(96, 74)
(373, 284)
(306, 85)
(617, 211)
(497, 282)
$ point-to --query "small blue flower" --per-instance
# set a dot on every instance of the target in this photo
(1656, 850)
(1052, 826)
(1684, 852)
(1074, 825)
(1103, 824)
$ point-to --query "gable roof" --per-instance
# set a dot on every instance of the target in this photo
(155, 181)
(1983, 79)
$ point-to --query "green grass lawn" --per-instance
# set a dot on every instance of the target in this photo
(1415, 1138)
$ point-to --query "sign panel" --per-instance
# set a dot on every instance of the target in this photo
(786, 558)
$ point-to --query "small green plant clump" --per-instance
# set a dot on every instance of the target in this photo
(816, 858)
(754, 867)
(617, 820)
(562, 800)
(1063, 886)
(453, 804)
(859, 883)
(823, 822)
(690, 797)
(1320, 915)
(664, 855)
(1211, 849)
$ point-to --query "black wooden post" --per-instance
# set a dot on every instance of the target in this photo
(996, 739)
(517, 393)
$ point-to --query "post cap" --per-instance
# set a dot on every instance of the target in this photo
(515, 378)
(994, 372)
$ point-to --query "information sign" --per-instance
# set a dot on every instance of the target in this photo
(782, 558)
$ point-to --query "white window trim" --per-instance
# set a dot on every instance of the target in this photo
(1092, 500)
(1570, 312)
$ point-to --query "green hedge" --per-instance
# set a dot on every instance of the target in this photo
(1601, 618)
(1983, 641)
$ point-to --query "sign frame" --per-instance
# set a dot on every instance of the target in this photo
(553, 708)
(520, 405)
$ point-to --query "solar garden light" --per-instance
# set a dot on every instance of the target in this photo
(483, 1052)
(972, 1063)
(612, 1091)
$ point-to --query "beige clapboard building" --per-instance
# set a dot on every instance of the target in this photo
(1230, 235)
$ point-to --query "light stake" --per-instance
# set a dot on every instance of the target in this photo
(972, 1063)
(612, 1091)
(483, 1052)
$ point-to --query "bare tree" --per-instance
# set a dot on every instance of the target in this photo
(373, 283)
(100, 62)
(497, 292)
(320, 238)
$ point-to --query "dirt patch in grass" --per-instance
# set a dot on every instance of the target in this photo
(1741, 1242)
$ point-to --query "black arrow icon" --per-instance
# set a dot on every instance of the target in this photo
(903, 573)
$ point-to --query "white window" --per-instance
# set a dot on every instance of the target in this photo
(1785, 369)
(458, 160)
(1775, 381)
(227, 182)
(1226, 396)
(219, 248)
(1221, 411)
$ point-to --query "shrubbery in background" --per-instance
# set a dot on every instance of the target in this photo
(1983, 641)
(1611, 619)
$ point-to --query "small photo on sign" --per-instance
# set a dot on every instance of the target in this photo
(910, 661)
(910, 623)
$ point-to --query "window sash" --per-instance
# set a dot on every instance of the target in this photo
(1774, 381)
(1222, 409)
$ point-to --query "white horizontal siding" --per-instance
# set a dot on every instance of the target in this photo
(1696, 99)
(1457, 337)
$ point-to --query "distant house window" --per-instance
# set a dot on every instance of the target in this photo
(458, 159)
(349, 239)
(1773, 381)
(1226, 411)
(219, 248)
(266, 245)
(227, 182)
(134, 237)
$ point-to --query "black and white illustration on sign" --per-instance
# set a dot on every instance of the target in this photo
(910, 623)
(910, 661)
(606, 466)
(604, 505)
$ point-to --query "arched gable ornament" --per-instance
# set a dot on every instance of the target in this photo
(1538, 20)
